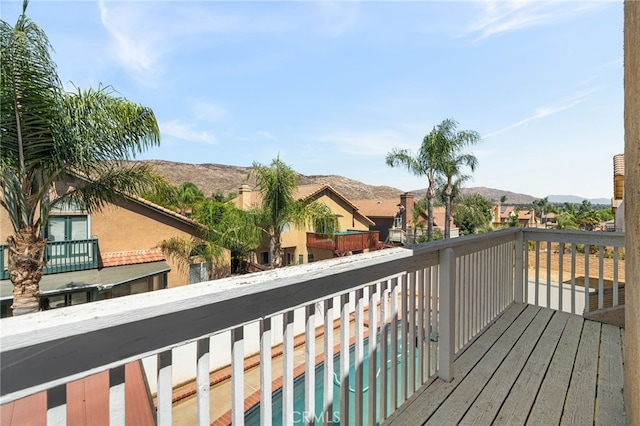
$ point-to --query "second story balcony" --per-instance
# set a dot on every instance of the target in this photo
(61, 256)
(485, 329)
(342, 242)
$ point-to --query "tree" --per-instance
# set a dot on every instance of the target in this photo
(279, 209)
(440, 156)
(424, 163)
(472, 214)
(454, 161)
(81, 139)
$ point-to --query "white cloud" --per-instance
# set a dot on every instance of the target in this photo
(186, 132)
(503, 16)
(364, 143)
(208, 111)
(539, 114)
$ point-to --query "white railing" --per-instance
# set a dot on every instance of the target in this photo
(574, 271)
(408, 310)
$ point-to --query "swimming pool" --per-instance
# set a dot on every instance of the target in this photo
(252, 417)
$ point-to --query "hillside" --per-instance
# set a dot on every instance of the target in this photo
(211, 178)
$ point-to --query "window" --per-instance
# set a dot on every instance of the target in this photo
(264, 258)
(310, 257)
(67, 228)
(300, 259)
(286, 228)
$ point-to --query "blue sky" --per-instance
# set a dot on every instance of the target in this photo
(333, 86)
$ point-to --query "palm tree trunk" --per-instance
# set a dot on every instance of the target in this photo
(430, 196)
(26, 262)
(447, 216)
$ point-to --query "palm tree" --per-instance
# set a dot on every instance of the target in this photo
(47, 136)
(424, 163)
(279, 209)
(440, 156)
(453, 161)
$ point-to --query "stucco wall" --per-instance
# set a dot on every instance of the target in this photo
(632, 208)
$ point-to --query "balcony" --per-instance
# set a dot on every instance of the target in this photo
(343, 242)
(481, 329)
(61, 256)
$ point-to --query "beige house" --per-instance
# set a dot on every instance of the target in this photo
(397, 218)
(526, 218)
(305, 245)
(617, 202)
(107, 254)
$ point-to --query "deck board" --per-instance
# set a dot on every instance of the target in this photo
(609, 400)
(579, 408)
(532, 366)
(549, 403)
(422, 404)
(518, 403)
(486, 406)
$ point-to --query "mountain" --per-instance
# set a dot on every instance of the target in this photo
(490, 193)
(212, 178)
(561, 199)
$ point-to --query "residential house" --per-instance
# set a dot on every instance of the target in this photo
(305, 245)
(397, 219)
(105, 254)
(617, 202)
(500, 215)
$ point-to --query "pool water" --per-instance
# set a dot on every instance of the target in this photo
(252, 417)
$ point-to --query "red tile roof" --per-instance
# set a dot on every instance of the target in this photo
(130, 257)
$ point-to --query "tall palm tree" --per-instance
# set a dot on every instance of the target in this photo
(424, 163)
(440, 156)
(279, 209)
(454, 160)
(47, 136)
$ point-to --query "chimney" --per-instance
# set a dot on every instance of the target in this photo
(244, 197)
(406, 203)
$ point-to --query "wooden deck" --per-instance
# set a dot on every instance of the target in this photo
(531, 366)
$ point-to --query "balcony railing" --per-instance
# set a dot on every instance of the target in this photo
(344, 242)
(61, 256)
(412, 309)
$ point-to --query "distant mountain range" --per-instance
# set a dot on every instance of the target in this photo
(212, 178)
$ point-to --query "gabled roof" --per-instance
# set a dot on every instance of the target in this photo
(378, 208)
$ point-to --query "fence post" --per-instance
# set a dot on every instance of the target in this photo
(519, 268)
(447, 313)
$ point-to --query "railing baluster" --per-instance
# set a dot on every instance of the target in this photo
(411, 347)
(373, 345)
(573, 278)
(165, 388)
(447, 311)
(266, 412)
(237, 376)
(394, 344)
(601, 277)
(560, 276)
(202, 381)
(287, 368)
(587, 249)
(420, 321)
(548, 274)
(328, 362)
(310, 363)
(615, 276)
(404, 344)
(117, 405)
(537, 273)
(344, 359)
(519, 269)
(384, 348)
(57, 405)
(525, 266)
(359, 357)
